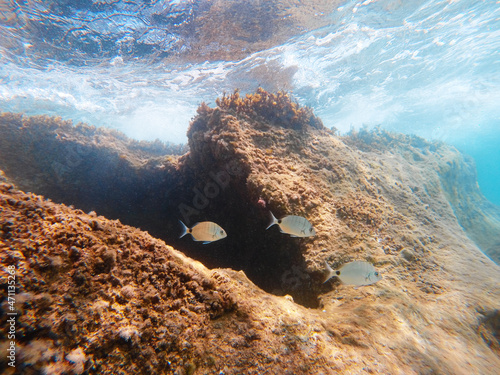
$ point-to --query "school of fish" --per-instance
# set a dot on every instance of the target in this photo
(357, 273)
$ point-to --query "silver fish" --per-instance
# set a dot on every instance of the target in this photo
(295, 226)
(205, 231)
(354, 273)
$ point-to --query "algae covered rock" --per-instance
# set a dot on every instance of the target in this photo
(102, 296)
(85, 280)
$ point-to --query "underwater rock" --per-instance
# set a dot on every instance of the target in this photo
(135, 296)
(96, 284)
(95, 169)
(479, 217)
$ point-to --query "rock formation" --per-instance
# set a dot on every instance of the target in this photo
(100, 296)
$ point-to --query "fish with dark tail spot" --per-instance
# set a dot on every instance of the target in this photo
(295, 226)
(206, 231)
(356, 273)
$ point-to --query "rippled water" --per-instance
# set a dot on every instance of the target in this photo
(429, 68)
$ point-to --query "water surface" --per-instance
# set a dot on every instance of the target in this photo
(427, 68)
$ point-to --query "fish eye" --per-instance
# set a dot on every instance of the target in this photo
(311, 229)
(221, 232)
(376, 273)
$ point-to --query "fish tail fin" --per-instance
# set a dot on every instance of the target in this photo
(273, 221)
(329, 272)
(185, 229)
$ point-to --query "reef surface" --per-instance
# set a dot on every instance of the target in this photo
(98, 296)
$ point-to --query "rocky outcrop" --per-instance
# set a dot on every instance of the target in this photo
(389, 199)
(92, 288)
(479, 217)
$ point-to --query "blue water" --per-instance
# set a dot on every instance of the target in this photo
(430, 68)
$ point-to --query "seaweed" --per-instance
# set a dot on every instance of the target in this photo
(276, 108)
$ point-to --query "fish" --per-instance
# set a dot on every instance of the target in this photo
(295, 226)
(206, 231)
(356, 273)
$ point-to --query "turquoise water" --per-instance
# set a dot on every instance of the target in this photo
(429, 68)
(484, 148)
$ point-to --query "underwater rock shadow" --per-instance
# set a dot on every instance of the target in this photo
(160, 310)
(250, 155)
(98, 170)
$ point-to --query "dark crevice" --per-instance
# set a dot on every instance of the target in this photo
(272, 260)
(155, 196)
